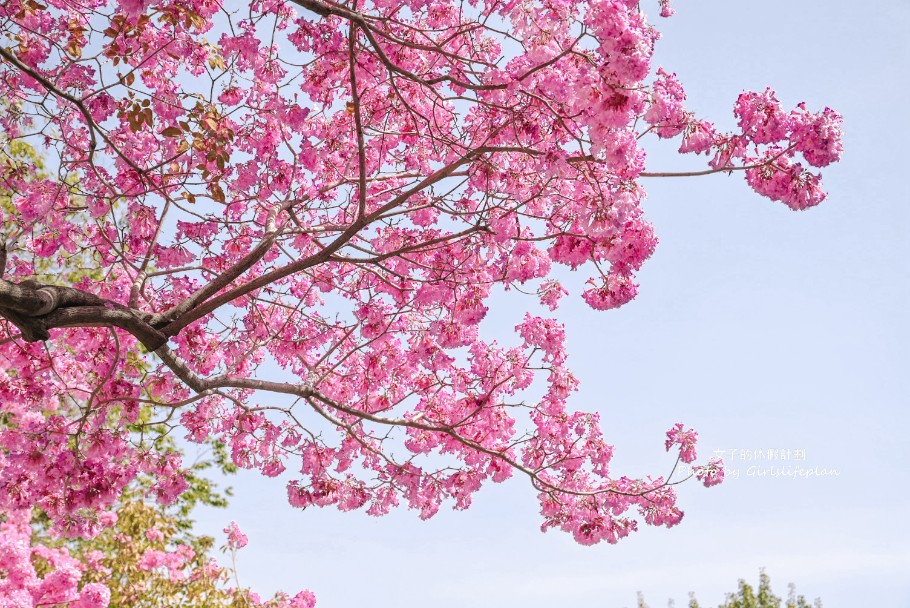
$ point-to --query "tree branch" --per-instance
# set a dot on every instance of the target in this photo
(35, 309)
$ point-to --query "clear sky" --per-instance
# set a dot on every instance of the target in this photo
(763, 328)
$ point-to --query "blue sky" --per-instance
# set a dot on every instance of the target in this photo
(761, 327)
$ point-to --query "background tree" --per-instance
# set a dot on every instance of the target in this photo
(747, 597)
(149, 556)
(335, 191)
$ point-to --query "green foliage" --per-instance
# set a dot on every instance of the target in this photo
(121, 549)
(747, 597)
(17, 159)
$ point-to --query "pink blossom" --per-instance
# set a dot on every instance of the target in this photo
(634, 244)
(236, 538)
(101, 106)
(685, 439)
(133, 8)
(761, 117)
(666, 112)
(818, 136)
(92, 595)
(785, 181)
(616, 289)
(699, 137)
(550, 294)
(710, 474)
(231, 96)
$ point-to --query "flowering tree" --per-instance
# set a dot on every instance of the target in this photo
(316, 199)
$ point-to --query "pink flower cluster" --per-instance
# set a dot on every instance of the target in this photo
(666, 113)
(685, 439)
(173, 562)
(20, 584)
(710, 474)
(614, 290)
(236, 538)
(765, 148)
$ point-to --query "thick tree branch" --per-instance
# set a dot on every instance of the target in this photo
(35, 309)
